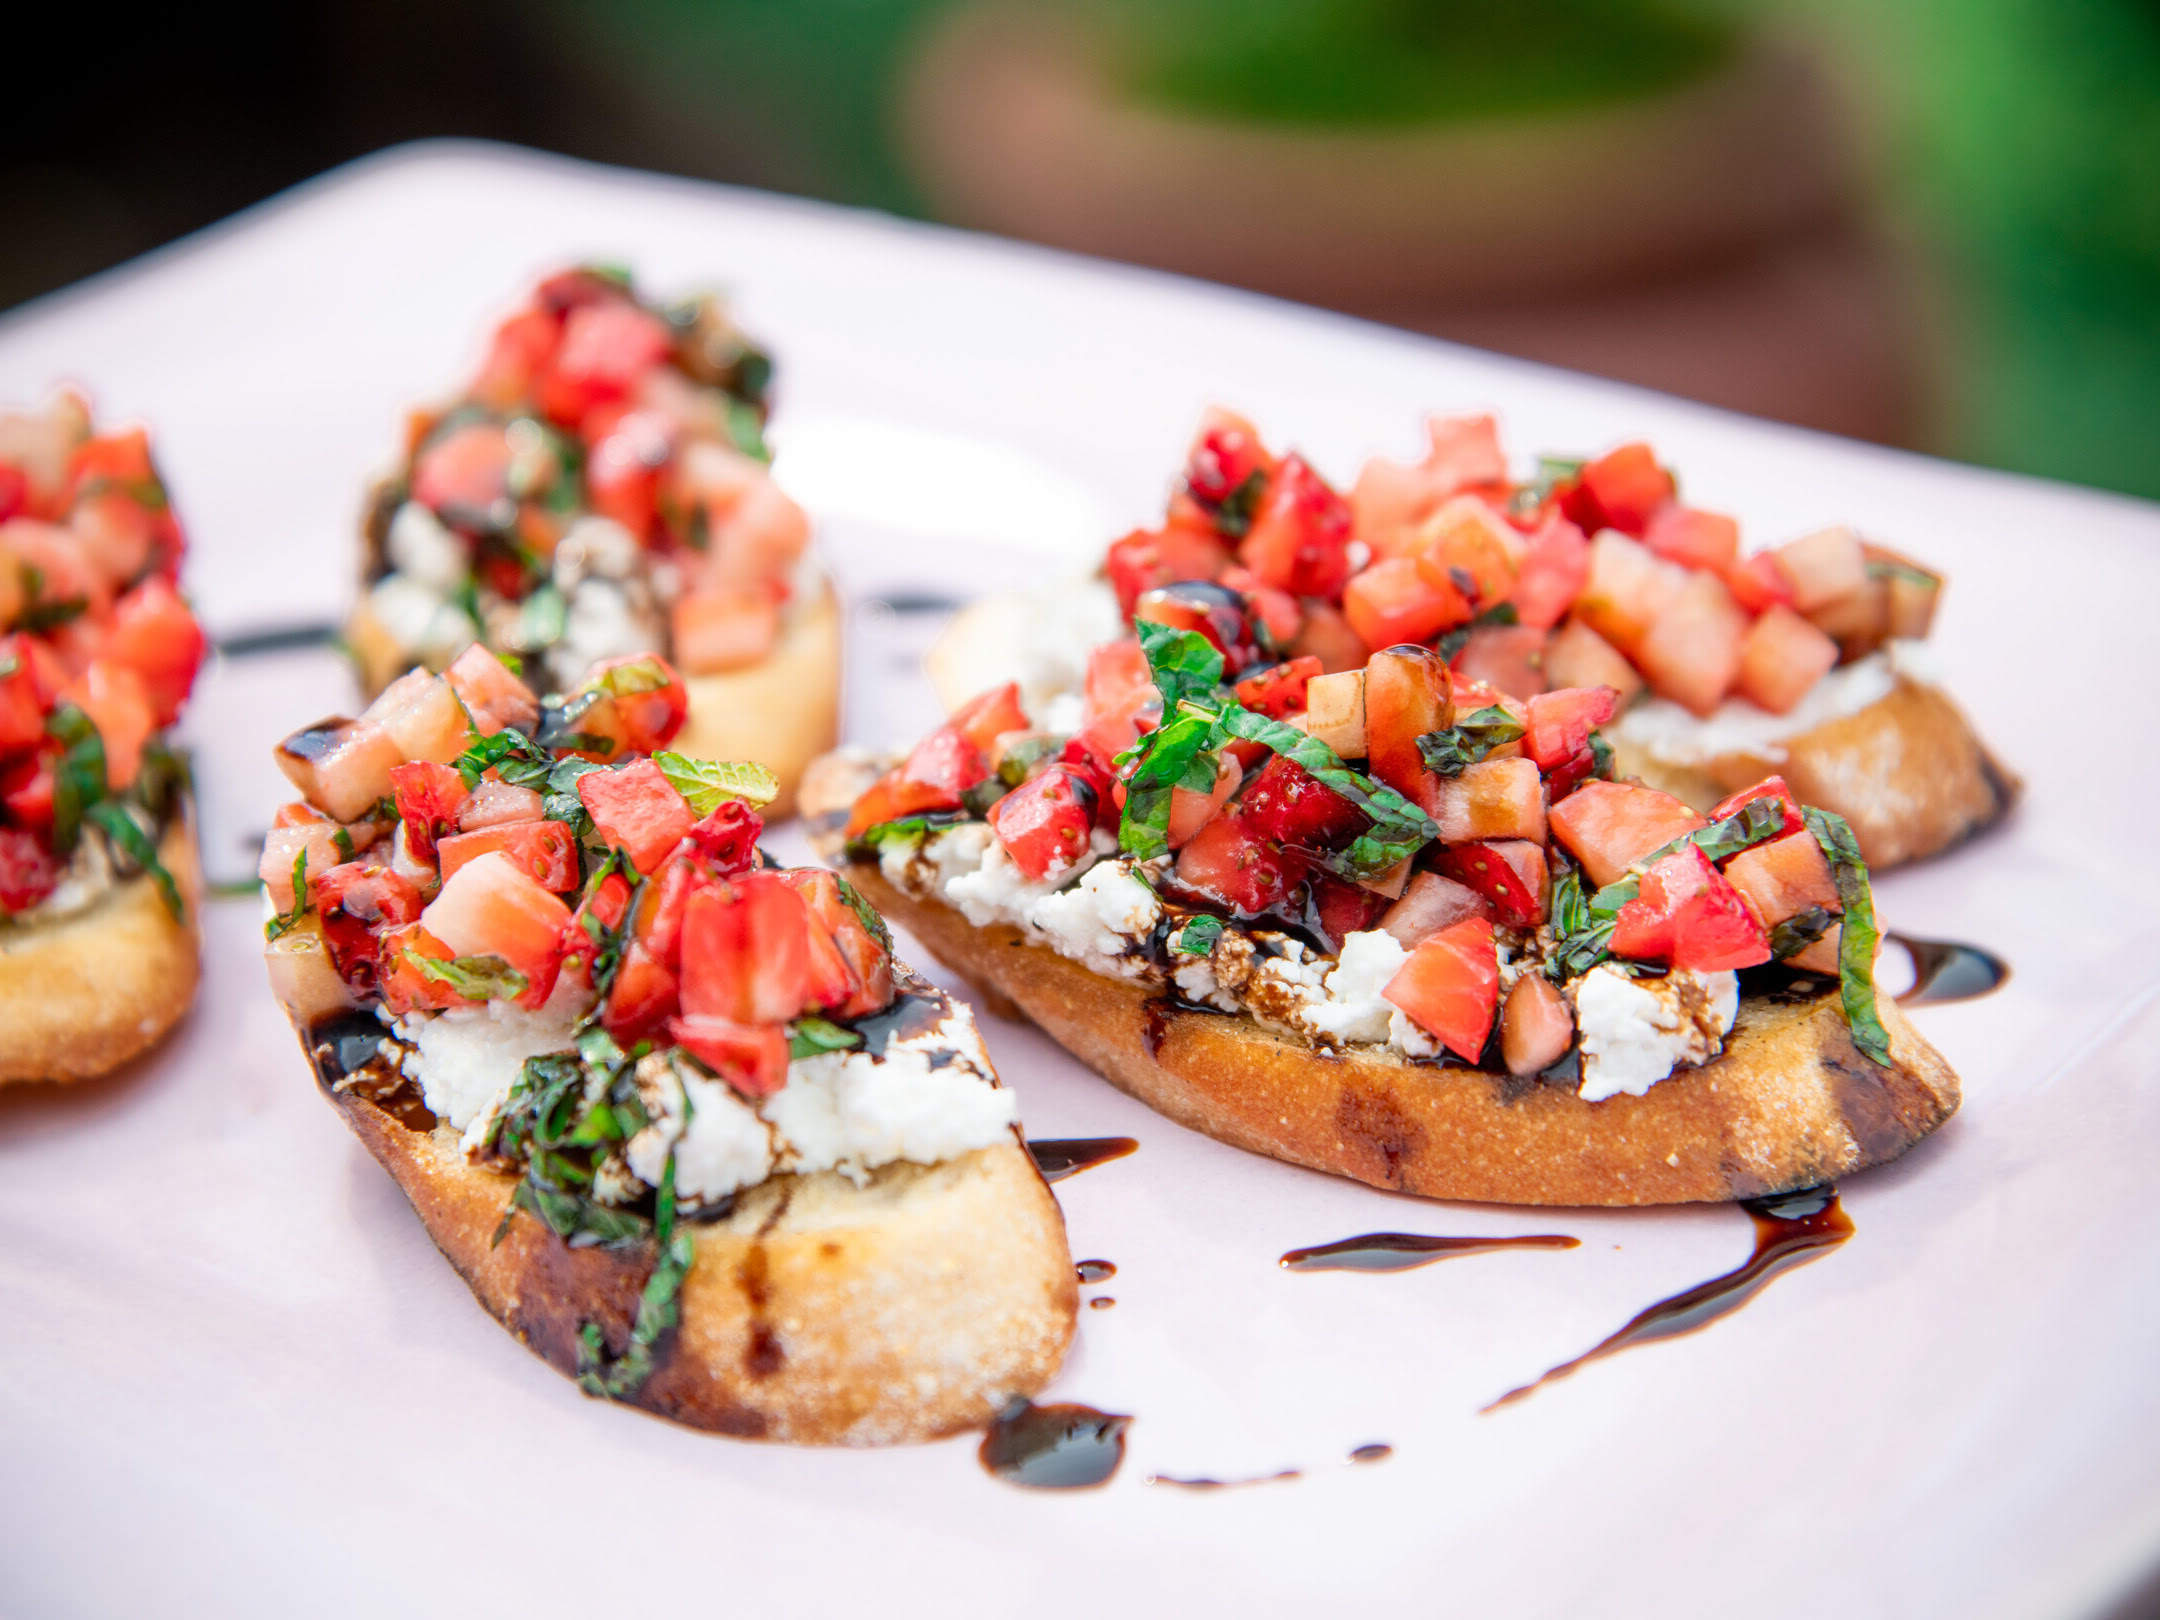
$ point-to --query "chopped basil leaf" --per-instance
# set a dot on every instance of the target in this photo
(903, 830)
(1755, 822)
(512, 755)
(1198, 936)
(705, 782)
(1797, 932)
(630, 679)
(1399, 828)
(477, 978)
(1465, 743)
(808, 1037)
(78, 774)
(1234, 514)
(1859, 936)
(129, 838)
(1021, 755)
(1178, 754)
(1602, 756)
(1582, 928)
(866, 914)
(1459, 637)
(286, 921)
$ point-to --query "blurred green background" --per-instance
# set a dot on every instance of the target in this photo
(1934, 222)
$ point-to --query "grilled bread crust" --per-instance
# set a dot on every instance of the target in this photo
(1791, 1103)
(82, 995)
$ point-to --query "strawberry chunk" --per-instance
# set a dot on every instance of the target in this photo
(637, 810)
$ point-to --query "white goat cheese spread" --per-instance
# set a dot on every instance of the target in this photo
(1678, 736)
(90, 877)
(1636, 1032)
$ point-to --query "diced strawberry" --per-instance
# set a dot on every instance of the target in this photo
(869, 963)
(1628, 590)
(1225, 453)
(1692, 653)
(726, 840)
(1758, 583)
(14, 491)
(1579, 657)
(753, 1058)
(1288, 805)
(1628, 486)
(1408, 692)
(26, 790)
(1045, 822)
(640, 705)
(1822, 567)
(1689, 915)
(493, 696)
(1508, 874)
(1396, 601)
(636, 809)
(404, 987)
(1536, 1026)
(1280, 688)
(1495, 798)
(1148, 558)
(1557, 727)
(605, 349)
(719, 629)
(1770, 787)
(22, 709)
(642, 997)
(1430, 903)
(1609, 826)
(1555, 567)
(1694, 538)
(1228, 864)
(490, 908)
(1328, 635)
(463, 476)
(1783, 878)
(1118, 696)
(666, 899)
(1213, 611)
(1507, 657)
(746, 954)
(1300, 535)
(545, 851)
(28, 870)
(987, 717)
(1450, 987)
(1190, 811)
(1336, 908)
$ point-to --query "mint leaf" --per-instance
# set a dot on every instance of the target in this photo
(1198, 936)
(477, 978)
(705, 783)
(809, 1037)
(1184, 663)
(1452, 751)
(128, 837)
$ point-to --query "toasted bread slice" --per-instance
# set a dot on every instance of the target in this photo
(1907, 771)
(82, 995)
(781, 712)
(816, 1312)
(1791, 1103)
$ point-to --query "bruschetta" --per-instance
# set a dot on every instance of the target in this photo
(1392, 923)
(98, 871)
(675, 1114)
(1808, 659)
(600, 488)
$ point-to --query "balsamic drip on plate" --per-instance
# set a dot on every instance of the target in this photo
(1789, 1230)
(1056, 1448)
(1376, 1451)
(346, 1049)
(1202, 1482)
(1095, 1271)
(1059, 1157)
(909, 1014)
(1949, 970)
(1402, 1251)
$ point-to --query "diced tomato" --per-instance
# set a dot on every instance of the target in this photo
(716, 629)
(1758, 583)
(1507, 657)
(1213, 611)
(1045, 822)
(22, 708)
(1396, 600)
(1627, 591)
(1229, 865)
(404, 987)
(545, 851)
(493, 696)
(1689, 915)
(642, 997)
(1578, 657)
(1288, 805)
(605, 349)
(1119, 694)
(1536, 1025)
(518, 353)
(1822, 567)
(1328, 635)
(985, 718)
(1430, 903)
(1300, 536)
(464, 477)
(1495, 798)
(1450, 987)
(1770, 787)
(1628, 486)
(1557, 727)
(1555, 567)
(636, 809)
(1609, 826)
(641, 705)
(1694, 538)
(490, 908)
(1408, 692)
(1190, 811)
(28, 870)
(1783, 878)
(1692, 653)
(118, 704)
(1148, 558)
(1509, 874)
(726, 840)
(1278, 689)
(869, 962)
(753, 1058)
(1277, 612)
(746, 954)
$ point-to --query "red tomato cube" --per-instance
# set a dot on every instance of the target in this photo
(637, 810)
(1628, 486)
(1044, 823)
(1781, 659)
(1609, 826)
(1692, 653)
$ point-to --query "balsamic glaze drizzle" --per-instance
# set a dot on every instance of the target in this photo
(1060, 1157)
(1402, 1251)
(1947, 970)
(1054, 1448)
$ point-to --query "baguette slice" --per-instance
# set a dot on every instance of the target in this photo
(1791, 1103)
(83, 995)
(816, 1312)
(1908, 771)
(781, 712)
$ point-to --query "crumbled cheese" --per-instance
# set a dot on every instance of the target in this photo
(420, 619)
(997, 890)
(1100, 917)
(1636, 1032)
(601, 621)
(927, 1098)
(720, 1144)
(423, 549)
(89, 877)
(1354, 1009)
(593, 547)
(465, 1058)
(1678, 736)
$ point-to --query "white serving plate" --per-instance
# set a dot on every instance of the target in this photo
(237, 1379)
